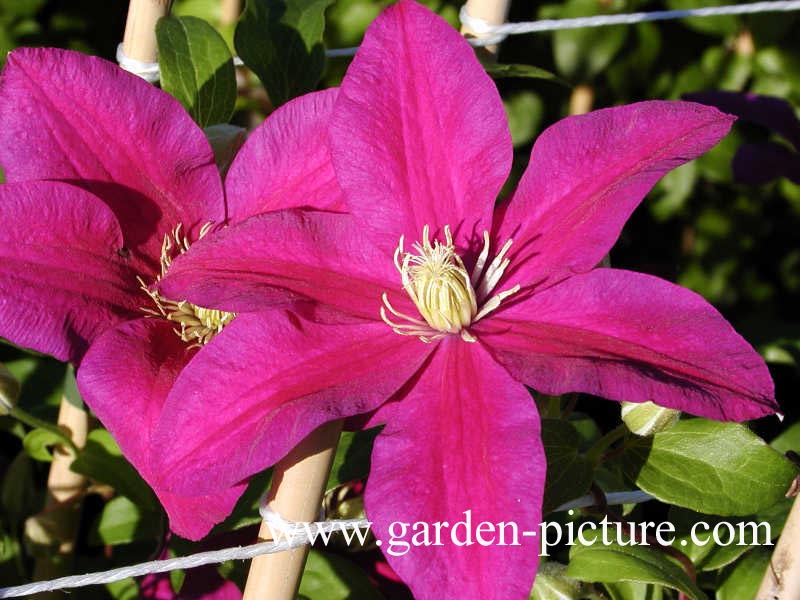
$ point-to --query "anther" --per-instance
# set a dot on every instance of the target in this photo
(448, 297)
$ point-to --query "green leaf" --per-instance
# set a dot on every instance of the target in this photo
(569, 474)
(21, 8)
(352, 458)
(37, 442)
(331, 577)
(197, 68)
(742, 580)
(524, 110)
(70, 390)
(42, 380)
(675, 188)
(581, 54)
(281, 41)
(758, 529)
(246, 510)
(721, 25)
(611, 563)
(123, 522)
(712, 468)
(498, 71)
(102, 460)
(628, 590)
(12, 564)
(176, 579)
(788, 439)
(18, 494)
(126, 589)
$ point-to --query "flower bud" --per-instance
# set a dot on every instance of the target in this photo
(647, 418)
(9, 391)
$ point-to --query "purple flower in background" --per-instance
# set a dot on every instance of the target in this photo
(761, 162)
(108, 181)
(434, 309)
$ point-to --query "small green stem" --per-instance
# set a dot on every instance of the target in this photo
(30, 420)
(595, 453)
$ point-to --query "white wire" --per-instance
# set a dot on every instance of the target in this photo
(498, 33)
(490, 35)
(295, 535)
(148, 71)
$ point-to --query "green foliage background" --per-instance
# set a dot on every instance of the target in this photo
(736, 245)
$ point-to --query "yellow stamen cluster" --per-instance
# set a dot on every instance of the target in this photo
(448, 297)
(198, 325)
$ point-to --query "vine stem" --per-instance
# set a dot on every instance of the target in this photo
(28, 419)
(595, 453)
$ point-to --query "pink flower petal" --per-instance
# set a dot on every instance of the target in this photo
(62, 278)
(285, 163)
(586, 175)
(125, 379)
(466, 438)
(419, 134)
(267, 381)
(291, 254)
(632, 337)
(193, 517)
(68, 116)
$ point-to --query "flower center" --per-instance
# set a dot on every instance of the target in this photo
(448, 297)
(196, 325)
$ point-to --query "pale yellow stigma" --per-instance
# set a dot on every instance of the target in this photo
(448, 297)
(197, 325)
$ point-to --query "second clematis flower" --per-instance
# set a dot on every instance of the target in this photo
(109, 181)
(434, 309)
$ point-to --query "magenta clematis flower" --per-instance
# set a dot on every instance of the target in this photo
(109, 180)
(434, 309)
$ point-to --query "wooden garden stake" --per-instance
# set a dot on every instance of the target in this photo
(298, 483)
(491, 11)
(581, 100)
(229, 11)
(139, 41)
(63, 485)
(782, 578)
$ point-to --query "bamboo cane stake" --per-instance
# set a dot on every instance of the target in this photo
(230, 11)
(139, 41)
(581, 100)
(782, 578)
(494, 12)
(298, 484)
(62, 486)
